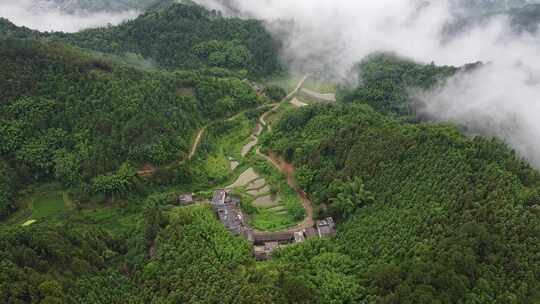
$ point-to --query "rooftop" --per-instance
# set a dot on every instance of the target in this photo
(219, 197)
(299, 237)
(326, 227)
(185, 199)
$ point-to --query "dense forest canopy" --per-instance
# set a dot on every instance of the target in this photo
(70, 116)
(179, 36)
(72, 6)
(387, 81)
(433, 217)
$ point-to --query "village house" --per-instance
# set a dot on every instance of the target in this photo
(264, 252)
(326, 227)
(299, 237)
(230, 215)
(185, 199)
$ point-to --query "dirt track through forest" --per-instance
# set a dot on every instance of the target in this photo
(196, 143)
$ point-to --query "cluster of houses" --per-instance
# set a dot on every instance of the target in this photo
(230, 215)
(228, 210)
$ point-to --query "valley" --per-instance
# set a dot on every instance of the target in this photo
(239, 152)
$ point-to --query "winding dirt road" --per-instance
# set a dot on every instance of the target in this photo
(196, 143)
(286, 168)
(275, 106)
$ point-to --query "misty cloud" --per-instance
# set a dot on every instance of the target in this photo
(502, 98)
(43, 16)
(495, 100)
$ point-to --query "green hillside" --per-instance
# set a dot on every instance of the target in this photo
(99, 5)
(70, 116)
(178, 36)
(102, 130)
(387, 81)
(430, 216)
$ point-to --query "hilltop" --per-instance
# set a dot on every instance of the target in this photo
(178, 36)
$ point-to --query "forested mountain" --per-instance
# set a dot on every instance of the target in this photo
(196, 261)
(103, 132)
(41, 264)
(8, 29)
(189, 36)
(71, 116)
(524, 16)
(387, 81)
(431, 216)
(179, 36)
(71, 6)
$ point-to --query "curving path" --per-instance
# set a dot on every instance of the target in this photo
(196, 143)
(275, 106)
(286, 168)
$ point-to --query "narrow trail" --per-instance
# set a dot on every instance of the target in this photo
(275, 106)
(149, 170)
(196, 143)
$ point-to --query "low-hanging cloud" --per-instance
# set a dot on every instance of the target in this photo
(502, 98)
(44, 16)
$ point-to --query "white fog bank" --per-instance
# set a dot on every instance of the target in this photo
(43, 17)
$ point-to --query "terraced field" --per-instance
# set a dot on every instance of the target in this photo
(263, 185)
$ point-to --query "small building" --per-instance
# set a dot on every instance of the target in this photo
(230, 215)
(271, 246)
(249, 235)
(285, 237)
(185, 199)
(326, 227)
(299, 237)
(264, 252)
(259, 89)
(310, 232)
(219, 197)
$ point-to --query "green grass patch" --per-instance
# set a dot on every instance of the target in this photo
(232, 143)
(267, 220)
(272, 219)
(288, 83)
(114, 219)
(50, 203)
(279, 112)
(41, 201)
(306, 100)
(217, 167)
(320, 86)
(46, 204)
(222, 141)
